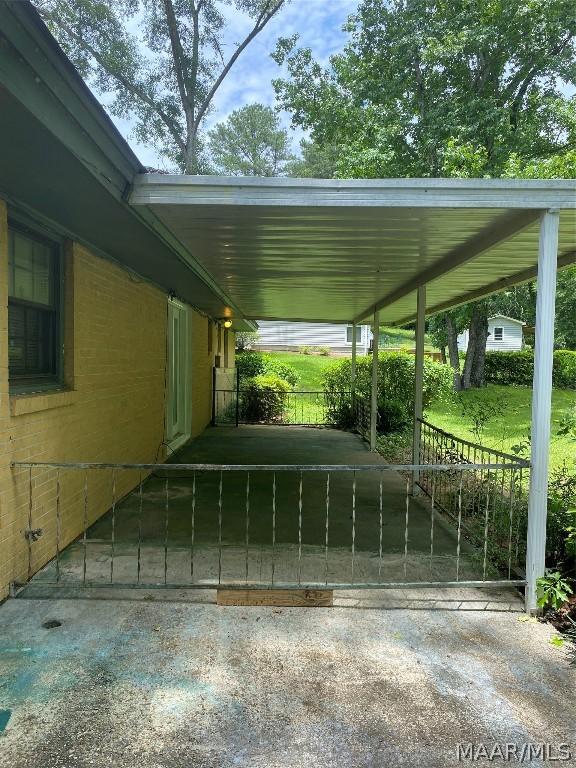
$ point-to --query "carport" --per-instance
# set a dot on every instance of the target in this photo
(391, 250)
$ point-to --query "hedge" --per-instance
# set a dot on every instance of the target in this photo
(263, 398)
(395, 388)
(511, 368)
(250, 364)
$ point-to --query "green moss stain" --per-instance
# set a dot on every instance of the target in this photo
(5, 715)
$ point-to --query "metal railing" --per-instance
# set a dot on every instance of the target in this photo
(260, 526)
(303, 408)
(490, 508)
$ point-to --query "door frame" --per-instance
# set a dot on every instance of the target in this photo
(183, 391)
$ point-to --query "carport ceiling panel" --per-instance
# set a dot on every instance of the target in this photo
(319, 264)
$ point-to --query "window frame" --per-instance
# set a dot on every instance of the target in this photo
(32, 383)
(349, 328)
(501, 336)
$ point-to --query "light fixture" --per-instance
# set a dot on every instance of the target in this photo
(227, 323)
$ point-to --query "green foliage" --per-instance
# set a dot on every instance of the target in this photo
(316, 162)
(561, 522)
(466, 86)
(305, 350)
(283, 370)
(518, 368)
(395, 387)
(263, 398)
(160, 63)
(250, 142)
(565, 330)
(245, 340)
(553, 590)
(250, 364)
(567, 424)
(323, 351)
(479, 411)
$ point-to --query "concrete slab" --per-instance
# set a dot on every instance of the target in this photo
(154, 684)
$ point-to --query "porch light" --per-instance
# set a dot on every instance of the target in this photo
(227, 323)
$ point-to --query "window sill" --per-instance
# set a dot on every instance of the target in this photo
(41, 401)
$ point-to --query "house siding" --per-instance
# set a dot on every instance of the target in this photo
(113, 407)
(276, 335)
(511, 336)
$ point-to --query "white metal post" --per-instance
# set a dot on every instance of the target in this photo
(374, 393)
(418, 382)
(541, 404)
(353, 365)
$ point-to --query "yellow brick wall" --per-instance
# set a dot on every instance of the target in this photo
(113, 409)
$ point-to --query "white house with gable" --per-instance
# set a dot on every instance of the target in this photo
(504, 335)
(287, 336)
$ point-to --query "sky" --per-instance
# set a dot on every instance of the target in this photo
(319, 24)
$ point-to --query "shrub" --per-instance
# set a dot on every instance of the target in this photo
(263, 398)
(392, 417)
(283, 370)
(324, 351)
(305, 350)
(564, 371)
(250, 364)
(395, 387)
(517, 368)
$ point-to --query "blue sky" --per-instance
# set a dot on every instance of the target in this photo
(319, 24)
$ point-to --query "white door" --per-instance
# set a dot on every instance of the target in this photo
(178, 402)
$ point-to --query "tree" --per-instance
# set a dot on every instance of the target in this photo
(455, 89)
(316, 162)
(250, 142)
(167, 73)
(439, 89)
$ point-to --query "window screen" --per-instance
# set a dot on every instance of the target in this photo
(498, 334)
(33, 308)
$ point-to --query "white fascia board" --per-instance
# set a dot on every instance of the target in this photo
(158, 189)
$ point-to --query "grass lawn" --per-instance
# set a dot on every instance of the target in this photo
(510, 422)
(309, 367)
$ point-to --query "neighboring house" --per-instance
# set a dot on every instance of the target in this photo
(504, 334)
(108, 340)
(275, 335)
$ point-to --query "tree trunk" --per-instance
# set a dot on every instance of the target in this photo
(473, 373)
(452, 341)
(191, 156)
(477, 373)
(443, 355)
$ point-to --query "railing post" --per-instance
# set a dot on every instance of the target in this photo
(214, 396)
(541, 405)
(374, 393)
(418, 383)
(353, 372)
(237, 396)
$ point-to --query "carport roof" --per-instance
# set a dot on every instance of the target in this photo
(335, 250)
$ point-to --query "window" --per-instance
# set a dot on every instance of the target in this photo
(498, 334)
(349, 334)
(34, 274)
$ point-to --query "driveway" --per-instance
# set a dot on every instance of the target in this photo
(150, 682)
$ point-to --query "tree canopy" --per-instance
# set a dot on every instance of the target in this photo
(250, 142)
(439, 89)
(161, 61)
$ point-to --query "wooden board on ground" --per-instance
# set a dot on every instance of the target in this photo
(287, 598)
